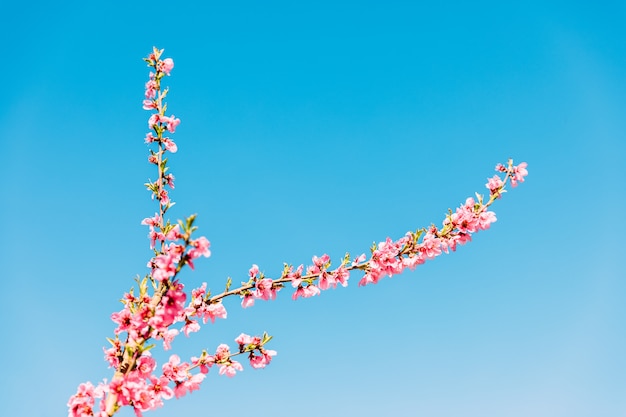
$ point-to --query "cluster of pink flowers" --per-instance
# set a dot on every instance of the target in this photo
(144, 390)
(263, 288)
(161, 301)
(259, 356)
(200, 308)
(516, 173)
(83, 402)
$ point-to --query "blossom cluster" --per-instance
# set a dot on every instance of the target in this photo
(144, 390)
(162, 309)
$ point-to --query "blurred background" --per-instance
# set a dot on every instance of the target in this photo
(321, 127)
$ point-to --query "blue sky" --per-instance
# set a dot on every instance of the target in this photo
(319, 128)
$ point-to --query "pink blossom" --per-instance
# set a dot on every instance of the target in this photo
(462, 238)
(261, 361)
(153, 121)
(449, 242)
(164, 198)
(306, 292)
(172, 305)
(200, 247)
(485, 219)
(385, 259)
(358, 259)
(332, 278)
(319, 264)
(154, 236)
(430, 246)
(175, 234)
(123, 319)
(190, 327)
(170, 145)
(152, 221)
(112, 355)
(171, 121)
(371, 277)
(143, 398)
(149, 104)
(322, 261)
(150, 90)
(247, 301)
(163, 267)
(413, 260)
(145, 365)
(129, 298)
(264, 289)
(326, 279)
(121, 387)
(193, 383)
(197, 294)
(244, 339)
(180, 389)
(166, 65)
(519, 172)
(229, 369)
(172, 124)
(295, 277)
(173, 249)
(341, 276)
(140, 319)
(150, 137)
(222, 353)
(254, 271)
(310, 291)
(494, 184)
(160, 388)
(168, 337)
(174, 370)
(212, 311)
(298, 293)
(204, 362)
(81, 404)
(197, 301)
(464, 219)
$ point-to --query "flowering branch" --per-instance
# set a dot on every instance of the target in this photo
(160, 302)
(387, 258)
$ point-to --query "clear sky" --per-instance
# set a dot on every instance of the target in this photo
(311, 128)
